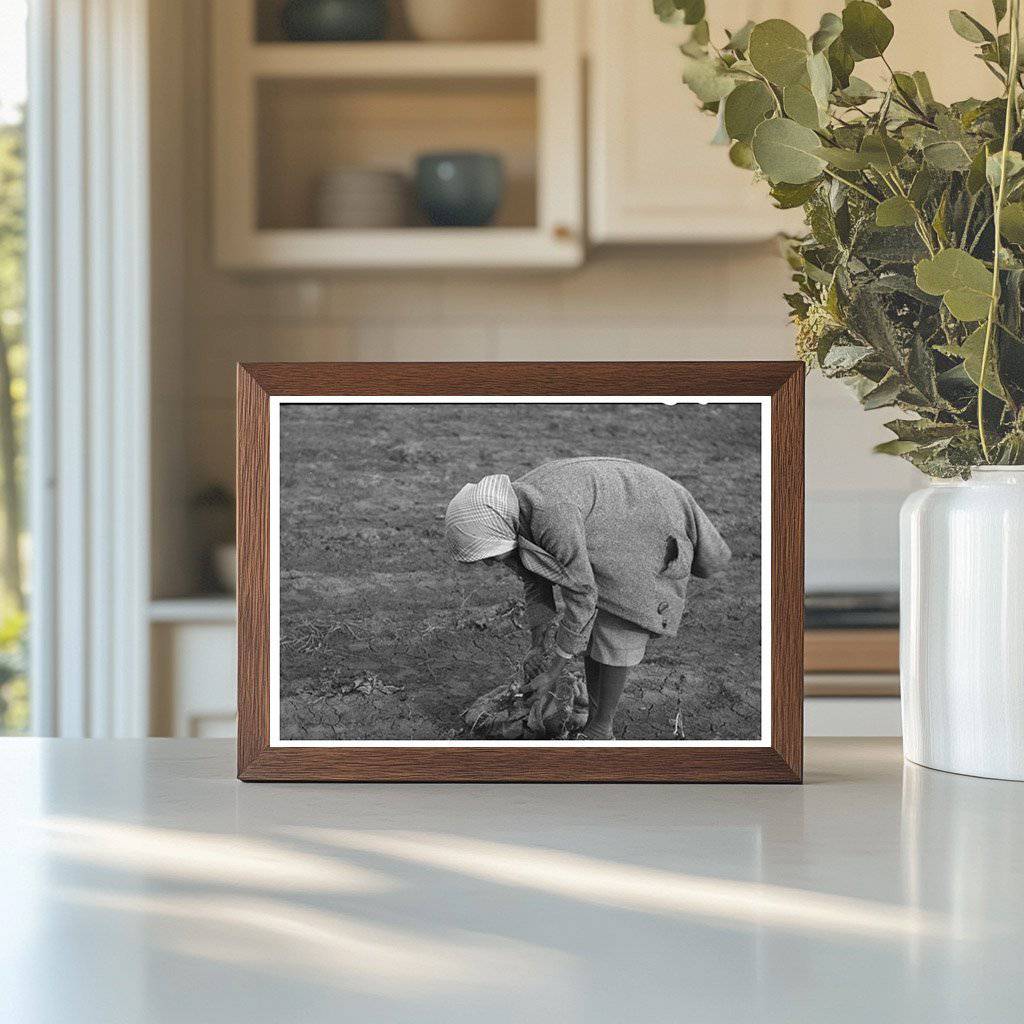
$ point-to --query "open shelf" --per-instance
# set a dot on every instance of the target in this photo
(520, 22)
(204, 608)
(388, 60)
(406, 248)
(308, 127)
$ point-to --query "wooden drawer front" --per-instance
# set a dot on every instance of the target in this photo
(851, 650)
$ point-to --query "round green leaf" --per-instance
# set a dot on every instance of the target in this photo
(693, 11)
(665, 10)
(779, 51)
(947, 156)
(690, 12)
(745, 108)
(844, 159)
(963, 281)
(801, 106)
(968, 28)
(786, 151)
(905, 85)
(866, 29)
(924, 87)
(740, 39)
(857, 91)
(788, 197)
(819, 75)
(1012, 224)
(840, 62)
(921, 187)
(976, 173)
(741, 155)
(883, 152)
(896, 447)
(993, 166)
(971, 351)
(707, 79)
(895, 212)
(829, 29)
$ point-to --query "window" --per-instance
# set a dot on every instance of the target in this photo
(14, 691)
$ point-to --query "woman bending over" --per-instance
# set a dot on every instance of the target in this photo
(620, 541)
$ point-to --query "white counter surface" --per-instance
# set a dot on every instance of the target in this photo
(140, 882)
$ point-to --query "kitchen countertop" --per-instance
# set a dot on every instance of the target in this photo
(140, 882)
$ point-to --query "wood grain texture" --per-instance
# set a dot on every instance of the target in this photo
(788, 568)
(642, 378)
(253, 533)
(779, 762)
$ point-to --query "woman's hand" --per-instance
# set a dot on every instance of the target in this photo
(533, 662)
(543, 681)
(548, 676)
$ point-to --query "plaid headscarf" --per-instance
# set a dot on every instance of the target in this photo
(482, 520)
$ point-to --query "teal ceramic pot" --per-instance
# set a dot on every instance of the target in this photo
(460, 189)
(334, 21)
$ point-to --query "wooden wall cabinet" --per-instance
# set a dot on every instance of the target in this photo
(285, 113)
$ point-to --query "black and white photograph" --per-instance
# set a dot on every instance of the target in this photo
(519, 571)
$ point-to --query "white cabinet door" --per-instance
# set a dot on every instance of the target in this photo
(654, 177)
(193, 679)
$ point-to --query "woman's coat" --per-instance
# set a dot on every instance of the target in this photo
(615, 535)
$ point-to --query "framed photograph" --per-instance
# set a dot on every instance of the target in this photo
(564, 572)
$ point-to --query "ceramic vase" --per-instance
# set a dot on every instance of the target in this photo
(962, 624)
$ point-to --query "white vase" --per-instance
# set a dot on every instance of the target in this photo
(962, 624)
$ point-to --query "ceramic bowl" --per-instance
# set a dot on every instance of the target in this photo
(333, 21)
(359, 197)
(470, 20)
(225, 567)
(460, 189)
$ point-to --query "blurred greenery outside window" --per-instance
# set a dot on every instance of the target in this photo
(14, 539)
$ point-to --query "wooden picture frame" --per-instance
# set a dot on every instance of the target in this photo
(779, 759)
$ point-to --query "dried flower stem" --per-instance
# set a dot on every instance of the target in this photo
(993, 309)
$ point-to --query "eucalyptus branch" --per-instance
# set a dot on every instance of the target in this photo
(853, 185)
(925, 234)
(909, 100)
(894, 182)
(771, 90)
(917, 120)
(995, 71)
(925, 311)
(977, 237)
(1011, 109)
(970, 214)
